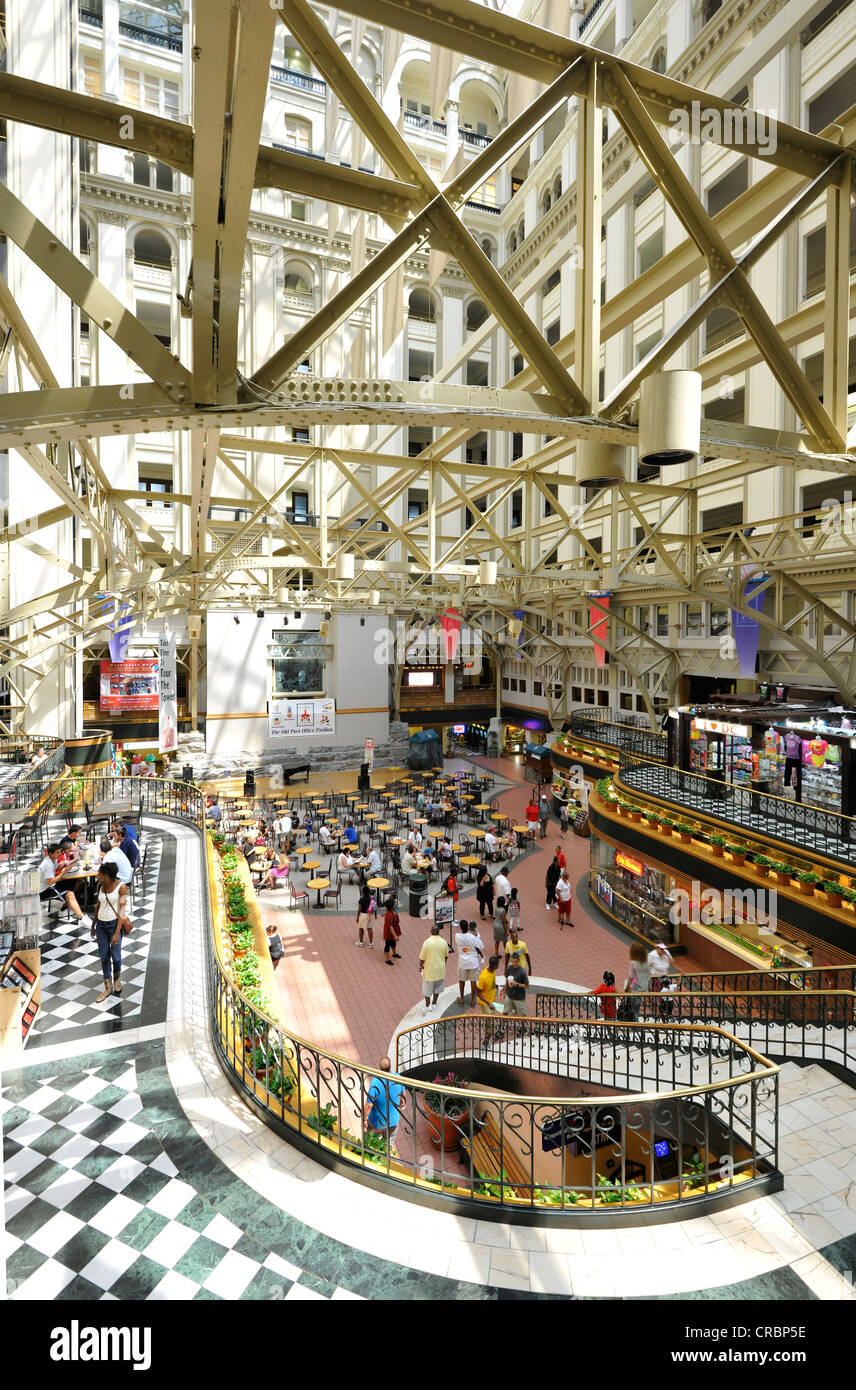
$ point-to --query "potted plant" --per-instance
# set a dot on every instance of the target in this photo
(717, 846)
(783, 873)
(242, 942)
(834, 892)
(683, 831)
(806, 881)
(447, 1115)
(738, 854)
(663, 825)
(635, 812)
(761, 863)
(323, 1120)
(849, 895)
(694, 1171)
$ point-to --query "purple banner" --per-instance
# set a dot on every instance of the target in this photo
(519, 614)
(746, 629)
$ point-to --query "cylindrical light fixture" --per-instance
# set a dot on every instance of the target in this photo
(669, 418)
(283, 598)
(599, 464)
(487, 572)
(514, 626)
(374, 597)
(344, 566)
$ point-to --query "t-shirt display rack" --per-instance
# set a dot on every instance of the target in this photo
(20, 957)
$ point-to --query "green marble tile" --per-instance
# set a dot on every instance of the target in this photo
(21, 1264)
(111, 1095)
(83, 1247)
(142, 1229)
(88, 1203)
(145, 1186)
(311, 1281)
(30, 1218)
(39, 1178)
(148, 1149)
(200, 1260)
(253, 1249)
(80, 1290)
(206, 1296)
(138, 1281)
(841, 1254)
(51, 1140)
(775, 1286)
(265, 1286)
(108, 1071)
(94, 1164)
(14, 1117)
(58, 1109)
(103, 1127)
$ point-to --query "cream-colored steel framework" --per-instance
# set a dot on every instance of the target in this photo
(423, 565)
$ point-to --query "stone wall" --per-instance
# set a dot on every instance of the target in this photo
(322, 757)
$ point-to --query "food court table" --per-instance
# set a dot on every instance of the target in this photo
(318, 883)
(378, 883)
(471, 861)
(16, 815)
(108, 809)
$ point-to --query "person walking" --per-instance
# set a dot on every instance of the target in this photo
(484, 890)
(275, 945)
(110, 915)
(532, 811)
(638, 978)
(563, 819)
(516, 985)
(512, 910)
(382, 1110)
(432, 967)
(515, 947)
(364, 917)
(391, 933)
(486, 994)
(606, 989)
(470, 949)
(500, 925)
(563, 898)
(543, 814)
(502, 883)
(659, 963)
(553, 875)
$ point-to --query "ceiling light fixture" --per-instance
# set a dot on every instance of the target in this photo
(238, 621)
(260, 612)
(297, 613)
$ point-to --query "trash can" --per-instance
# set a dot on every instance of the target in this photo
(187, 772)
(418, 889)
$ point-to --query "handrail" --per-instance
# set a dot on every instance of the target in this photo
(823, 832)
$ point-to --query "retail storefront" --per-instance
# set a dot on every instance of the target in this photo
(636, 894)
(800, 754)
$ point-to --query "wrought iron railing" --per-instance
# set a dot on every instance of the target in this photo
(79, 796)
(157, 38)
(23, 747)
(824, 832)
(788, 1024)
(644, 743)
(473, 137)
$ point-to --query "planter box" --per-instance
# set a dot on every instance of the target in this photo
(451, 1130)
(805, 889)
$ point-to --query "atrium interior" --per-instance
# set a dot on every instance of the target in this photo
(441, 560)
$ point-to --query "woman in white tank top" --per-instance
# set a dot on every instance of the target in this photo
(110, 912)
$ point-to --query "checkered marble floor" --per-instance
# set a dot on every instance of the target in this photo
(96, 1209)
(71, 977)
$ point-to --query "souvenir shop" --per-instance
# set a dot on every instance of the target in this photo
(632, 892)
(797, 752)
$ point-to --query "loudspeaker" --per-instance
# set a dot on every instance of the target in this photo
(187, 773)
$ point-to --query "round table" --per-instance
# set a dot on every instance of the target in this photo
(467, 796)
(498, 816)
(471, 861)
(436, 833)
(421, 820)
(397, 840)
(377, 882)
(318, 883)
(476, 832)
(312, 863)
(304, 849)
(372, 815)
(384, 830)
(482, 807)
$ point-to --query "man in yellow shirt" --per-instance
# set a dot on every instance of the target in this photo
(486, 993)
(514, 946)
(432, 967)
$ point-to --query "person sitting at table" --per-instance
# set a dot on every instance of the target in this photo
(374, 863)
(277, 873)
(112, 854)
(414, 839)
(430, 858)
(491, 845)
(444, 851)
(68, 853)
(213, 812)
(346, 863)
(307, 824)
(50, 876)
(247, 847)
(128, 845)
(350, 835)
(325, 839)
(408, 859)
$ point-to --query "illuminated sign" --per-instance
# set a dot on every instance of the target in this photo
(459, 729)
(720, 726)
(625, 862)
(423, 678)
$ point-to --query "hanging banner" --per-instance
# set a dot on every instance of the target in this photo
(519, 616)
(451, 625)
(168, 706)
(598, 624)
(369, 754)
(288, 718)
(746, 629)
(128, 685)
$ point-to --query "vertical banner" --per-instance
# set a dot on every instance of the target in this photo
(451, 625)
(519, 615)
(369, 754)
(746, 629)
(598, 624)
(168, 705)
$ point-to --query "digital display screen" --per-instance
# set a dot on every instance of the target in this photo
(662, 1149)
(423, 678)
(129, 685)
(459, 728)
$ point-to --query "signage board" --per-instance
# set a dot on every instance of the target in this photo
(129, 685)
(624, 861)
(721, 726)
(297, 717)
(369, 757)
(168, 704)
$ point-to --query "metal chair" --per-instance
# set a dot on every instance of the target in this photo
(296, 895)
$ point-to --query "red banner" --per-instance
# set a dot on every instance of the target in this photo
(129, 685)
(598, 622)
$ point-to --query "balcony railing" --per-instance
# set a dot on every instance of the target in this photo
(93, 17)
(589, 15)
(472, 137)
(292, 77)
(156, 38)
(483, 207)
(643, 742)
(426, 123)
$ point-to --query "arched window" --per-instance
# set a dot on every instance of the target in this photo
(512, 243)
(488, 247)
(546, 202)
(521, 234)
(152, 249)
(476, 315)
(658, 60)
(297, 281)
(557, 189)
(421, 306)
